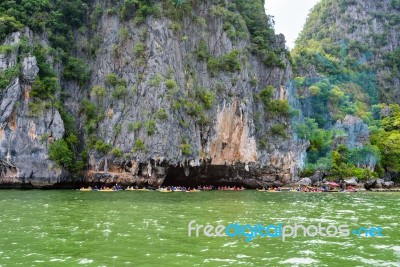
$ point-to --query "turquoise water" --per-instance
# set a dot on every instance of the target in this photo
(72, 228)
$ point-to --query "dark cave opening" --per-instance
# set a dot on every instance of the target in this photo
(214, 175)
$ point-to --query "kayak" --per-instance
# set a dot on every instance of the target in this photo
(107, 190)
(143, 189)
(165, 191)
(193, 191)
(261, 190)
(85, 189)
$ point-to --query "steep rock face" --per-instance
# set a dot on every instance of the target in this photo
(167, 101)
(365, 33)
(346, 61)
(233, 142)
(182, 140)
(356, 132)
(355, 135)
(24, 135)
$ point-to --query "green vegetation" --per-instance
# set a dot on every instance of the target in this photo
(76, 69)
(56, 18)
(347, 74)
(138, 50)
(150, 127)
(119, 92)
(123, 34)
(318, 153)
(116, 152)
(395, 4)
(253, 81)
(137, 125)
(139, 146)
(340, 162)
(346, 83)
(387, 139)
(117, 129)
(131, 127)
(314, 90)
(202, 52)
(279, 130)
(162, 114)
(171, 84)
(228, 62)
(45, 88)
(186, 149)
(8, 75)
(234, 25)
(184, 124)
(239, 18)
(261, 31)
(138, 10)
(194, 103)
(98, 91)
(8, 49)
(156, 80)
(194, 109)
(393, 59)
(342, 168)
(274, 107)
(207, 97)
(92, 116)
(64, 153)
(113, 80)
(9, 24)
(102, 147)
(61, 153)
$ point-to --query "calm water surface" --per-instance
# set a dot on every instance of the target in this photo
(72, 228)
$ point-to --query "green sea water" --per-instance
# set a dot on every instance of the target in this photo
(72, 228)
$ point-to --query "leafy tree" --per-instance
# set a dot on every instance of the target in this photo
(45, 88)
(206, 96)
(389, 145)
(77, 69)
(102, 147)
(60, 153)
(261, 31)
(8, 75)
(8, 24)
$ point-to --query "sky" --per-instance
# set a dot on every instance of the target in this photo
(289, 16)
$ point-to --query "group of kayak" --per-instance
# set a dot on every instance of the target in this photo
(349, 189)
(160, 189)
(170, 189)
(102, 189)
(228, 188)
(185, 189)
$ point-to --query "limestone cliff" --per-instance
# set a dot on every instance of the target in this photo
(360, 35)
(24, 133)
(347, 60)
(182, 94)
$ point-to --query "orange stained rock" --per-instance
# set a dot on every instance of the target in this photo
(232, 142)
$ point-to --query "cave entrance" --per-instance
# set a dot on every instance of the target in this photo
(214, 175)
